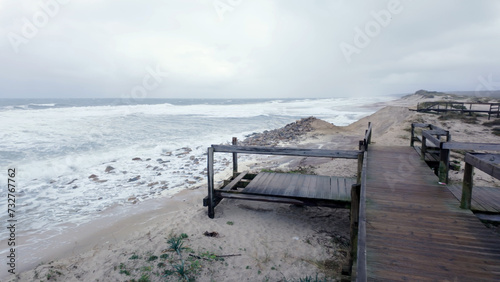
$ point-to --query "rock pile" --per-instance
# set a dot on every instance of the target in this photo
(289, 133)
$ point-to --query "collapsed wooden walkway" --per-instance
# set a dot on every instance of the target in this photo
(412, 228)
(299, 189)
(302, 186)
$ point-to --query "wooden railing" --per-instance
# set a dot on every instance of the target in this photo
(363, 144)
(432, 136)
(359, 242)
(488, 163)
(492, 109)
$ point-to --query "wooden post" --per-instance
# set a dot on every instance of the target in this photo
(361, 145)
(444, 165)
(360, 167)
(370, 135)
(424, 147)
(412, 140)
(235, 157)
(467, 187)
(210, 176)
(355, 197)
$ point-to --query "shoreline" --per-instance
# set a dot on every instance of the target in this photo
(290, 258)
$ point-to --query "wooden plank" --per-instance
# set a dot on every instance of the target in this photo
(285, 199)
(488, 197)
(421, 125)
(299, 187)
(354, 215)
(310, 186)
(489, 217)
(303, 189)
(482, 162)
(430, 138)
(234, 182)
(471, 146)
(361, 262)
(457, 192)
(296, 185)
(346, 154)
(436, 131)
(335, 187)
(434, 127)
(328, 188)
(345, 188)
(262, 198)
(292, 187)
(415, 229)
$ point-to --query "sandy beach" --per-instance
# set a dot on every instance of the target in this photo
(251, 241)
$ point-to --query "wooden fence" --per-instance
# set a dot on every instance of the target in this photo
(488, 163)
(492, 109)
(438, 150)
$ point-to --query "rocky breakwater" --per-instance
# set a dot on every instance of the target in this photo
(290, 133)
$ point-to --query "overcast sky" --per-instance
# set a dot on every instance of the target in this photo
(246, 48)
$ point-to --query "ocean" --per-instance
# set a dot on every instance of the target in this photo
(75, 158)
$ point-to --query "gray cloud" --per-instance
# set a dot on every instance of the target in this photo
(260, 48)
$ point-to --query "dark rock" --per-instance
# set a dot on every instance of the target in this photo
(134, 178)
(211, 234)
(137, 159)
(109, 169)
(93, 176)
(71, 182)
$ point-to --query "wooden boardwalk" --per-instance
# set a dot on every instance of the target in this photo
(415, 229)
(484, 199)
(301, 186)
